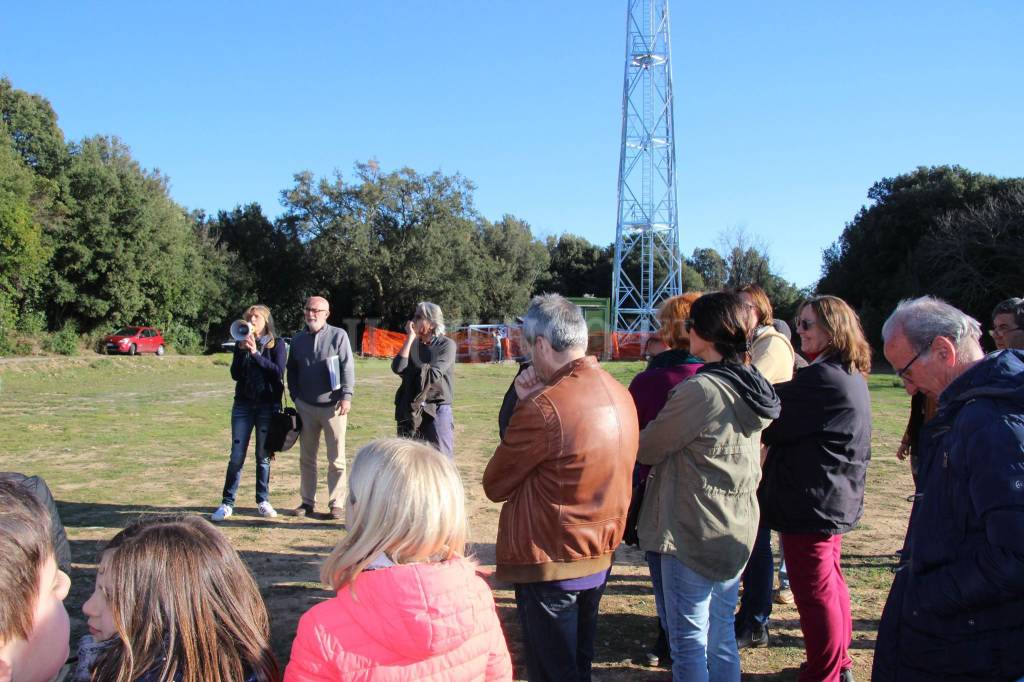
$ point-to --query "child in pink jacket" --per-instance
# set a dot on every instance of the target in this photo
(408, 605)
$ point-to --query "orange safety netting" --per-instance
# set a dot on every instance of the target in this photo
(478, 345)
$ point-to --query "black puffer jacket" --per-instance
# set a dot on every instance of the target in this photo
(819, 448)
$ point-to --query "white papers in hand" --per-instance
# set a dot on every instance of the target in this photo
(334, 370)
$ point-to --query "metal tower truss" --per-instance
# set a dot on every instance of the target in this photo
(647, 265)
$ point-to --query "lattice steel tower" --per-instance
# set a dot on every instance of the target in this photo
(647, 265)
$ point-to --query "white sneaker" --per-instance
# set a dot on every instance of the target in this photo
(266, 509)
(222, 513)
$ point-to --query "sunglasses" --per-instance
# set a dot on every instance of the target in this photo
(805, 324)
(317, 311)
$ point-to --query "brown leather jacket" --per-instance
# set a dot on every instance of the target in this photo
(564, 471)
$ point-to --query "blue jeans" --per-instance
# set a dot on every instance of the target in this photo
(245, 415)
(756, 604)
(558, 631)
(699, 621)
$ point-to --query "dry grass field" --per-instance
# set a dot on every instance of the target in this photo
(116, 437)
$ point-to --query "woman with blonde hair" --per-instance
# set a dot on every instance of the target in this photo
(258, 370)
(408, 603)
(174, 603)
(772, 353)
(813, 487)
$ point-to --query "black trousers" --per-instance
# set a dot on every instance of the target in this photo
(558, 631)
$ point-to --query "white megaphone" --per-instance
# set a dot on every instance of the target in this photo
(240, 330)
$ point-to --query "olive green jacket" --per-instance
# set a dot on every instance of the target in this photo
(701, 497)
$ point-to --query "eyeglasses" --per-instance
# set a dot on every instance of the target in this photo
(688, 325)
(1002, 329)
(315, 310)
(805, 324)
(902, 373)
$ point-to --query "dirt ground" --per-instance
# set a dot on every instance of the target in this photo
(120, 437)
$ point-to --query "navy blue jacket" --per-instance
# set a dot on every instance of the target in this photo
(956, 607)
(260, 377)
(818, 452)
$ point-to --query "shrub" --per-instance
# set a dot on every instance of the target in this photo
(94, 340)
(8, 317)
(32, 322)
(184, 340)
(65, 341)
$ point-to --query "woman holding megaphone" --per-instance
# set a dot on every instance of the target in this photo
(258, 371)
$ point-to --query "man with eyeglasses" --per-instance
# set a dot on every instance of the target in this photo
(321, 379)
(956, 607)
(562, 470)
(1008, 324)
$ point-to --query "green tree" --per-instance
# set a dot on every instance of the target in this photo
(578, 267)
(972, 256)
(23, 254)
(269, 264)
(513, 262)
(711, 268)
(874, 263)
(127, 253)
(387, 240)
(31, 124)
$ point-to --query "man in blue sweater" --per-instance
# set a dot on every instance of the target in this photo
(321, 379)
(956, 607)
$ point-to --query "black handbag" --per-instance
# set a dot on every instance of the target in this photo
(284, 430)
(633, 514)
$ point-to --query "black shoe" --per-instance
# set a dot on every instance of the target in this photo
(753, 638)
(846, 675)
(303, 510)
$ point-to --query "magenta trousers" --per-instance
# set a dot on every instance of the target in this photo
(823, 601)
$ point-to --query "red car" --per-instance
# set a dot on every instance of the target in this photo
(132, 340)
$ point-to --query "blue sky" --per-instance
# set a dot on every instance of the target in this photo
(786, 112)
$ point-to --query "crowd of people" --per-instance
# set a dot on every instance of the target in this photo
(727, 436)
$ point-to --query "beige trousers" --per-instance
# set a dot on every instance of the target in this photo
(314, 420)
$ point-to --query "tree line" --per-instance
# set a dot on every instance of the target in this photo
(942, 230)
(90, 241)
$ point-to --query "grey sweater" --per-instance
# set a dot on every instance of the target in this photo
(309, 378)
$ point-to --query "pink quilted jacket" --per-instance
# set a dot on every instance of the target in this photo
(412, 622)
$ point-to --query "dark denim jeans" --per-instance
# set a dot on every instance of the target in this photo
(756, 602)
(558, 631)
(245, 415)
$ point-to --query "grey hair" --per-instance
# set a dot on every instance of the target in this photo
(431, 312)
(1012, 306)
(558, 320)
(924, 319)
